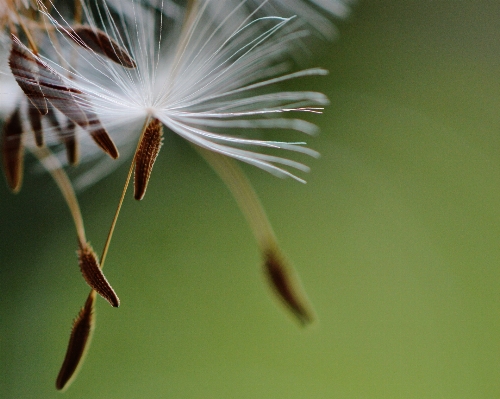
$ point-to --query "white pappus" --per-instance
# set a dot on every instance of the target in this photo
(209, 87)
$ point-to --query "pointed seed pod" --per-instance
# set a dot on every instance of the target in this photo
(103, 140)
(100, 42)
(36, 125)
(23, 65)
(79, 341)
(146, 156)
(13, 151)
(92, 273)
(286, 286)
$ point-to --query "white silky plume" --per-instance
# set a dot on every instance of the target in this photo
(212, 87)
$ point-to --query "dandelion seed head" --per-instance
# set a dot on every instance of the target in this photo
(212, 86)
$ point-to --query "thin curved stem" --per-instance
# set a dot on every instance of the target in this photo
(54, 167)
(244, 194)
(122, 197)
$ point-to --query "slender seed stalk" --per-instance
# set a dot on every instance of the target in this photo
(278, 270)
(244, 195)
(122, 197)
(52, 164)
(89, 264)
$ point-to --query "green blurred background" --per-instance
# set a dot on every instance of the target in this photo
(396, 237)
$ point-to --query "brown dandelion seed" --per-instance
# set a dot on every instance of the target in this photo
(103, 140)
(100, 42)
(13, 151)
(146, 156)
(23, 65)
(92, 273)
(286, 285)
(79, 341)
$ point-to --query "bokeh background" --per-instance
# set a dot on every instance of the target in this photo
(396, 237)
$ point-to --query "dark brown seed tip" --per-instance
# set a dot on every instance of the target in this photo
(103, 140)
(146, 156)
(79, 341)
(96, 40)
(286, 285)
(13, 151)
(92, 273)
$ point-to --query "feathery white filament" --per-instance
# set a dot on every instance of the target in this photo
(193, 75)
